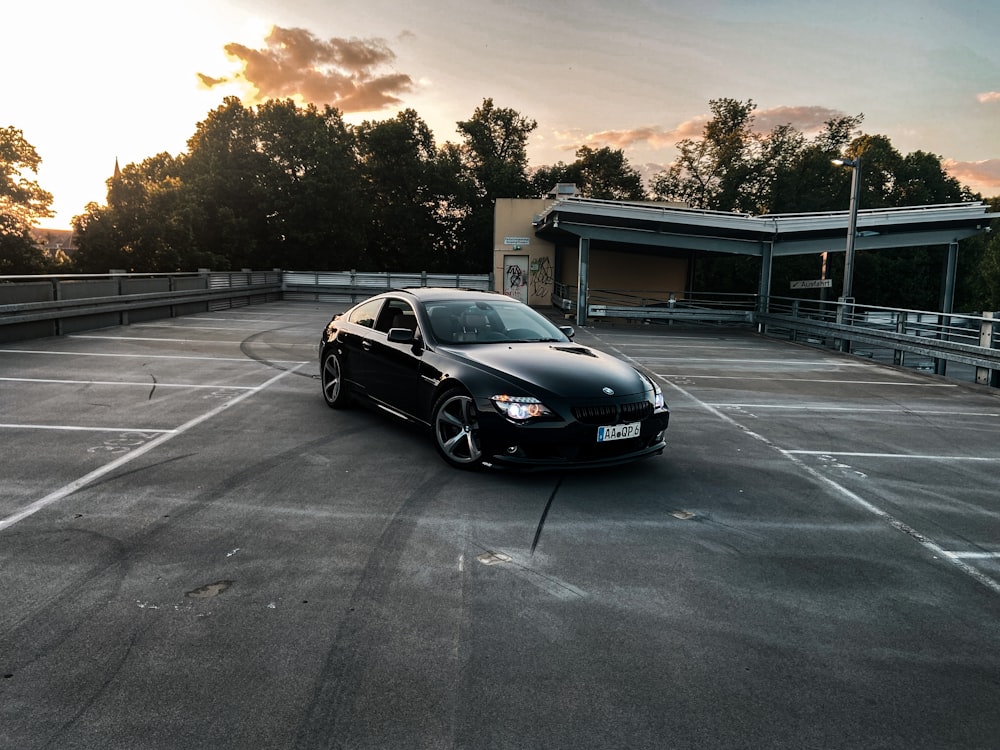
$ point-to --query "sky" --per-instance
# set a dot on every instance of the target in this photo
(89, 83)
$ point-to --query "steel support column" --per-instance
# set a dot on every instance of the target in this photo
(947, 301)
(583, 280)
(764, 283)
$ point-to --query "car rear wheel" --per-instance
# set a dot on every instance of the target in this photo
(456, 429)
(331, 374)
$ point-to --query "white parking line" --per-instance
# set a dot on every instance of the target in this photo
(142, 383)
(698, 376)
(795, 362)
(75, 428)
(700, 347)
(929, 544)
(179, 327)
(974, 555)
(859, 410)
(245, 360)
(892, 455)
(161, 339)
(83, 481)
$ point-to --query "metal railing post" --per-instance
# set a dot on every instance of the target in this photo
(984, 375)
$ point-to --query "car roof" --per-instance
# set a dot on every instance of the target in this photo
(435, 293)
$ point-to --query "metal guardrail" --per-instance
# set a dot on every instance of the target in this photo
(648, 306)
(921, 340)
(891, 333)
(37, 306)
(353, 286)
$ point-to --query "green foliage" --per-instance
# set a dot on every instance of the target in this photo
(397, 164)
(714, 171)
(22, 203)
(494, 159)
(980, 258)
(734, 168)
(602, 173)
(290, 187)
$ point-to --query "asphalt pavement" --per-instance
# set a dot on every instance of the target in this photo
(196, 553)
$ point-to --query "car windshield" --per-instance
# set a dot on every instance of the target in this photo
(457, 321)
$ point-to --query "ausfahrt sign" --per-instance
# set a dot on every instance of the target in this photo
(813, 284)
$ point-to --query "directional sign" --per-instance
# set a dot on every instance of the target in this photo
(813, 284)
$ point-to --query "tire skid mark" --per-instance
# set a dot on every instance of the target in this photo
(357, 643)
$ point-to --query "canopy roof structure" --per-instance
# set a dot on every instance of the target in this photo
(622, 223)
(649, 227)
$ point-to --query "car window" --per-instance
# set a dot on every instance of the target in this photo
(464, 322)
(365, 315)
(396, 313)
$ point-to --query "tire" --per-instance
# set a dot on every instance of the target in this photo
(455, 426)
(335, 393)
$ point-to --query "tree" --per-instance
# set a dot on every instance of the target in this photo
(984, 292)
(276, 186)
(602, 173)
(311, 186)
(544, 178)
(714, 171)
(398, 165)
(495, 157)
(22, 203)
(146, 224)
(733, 168)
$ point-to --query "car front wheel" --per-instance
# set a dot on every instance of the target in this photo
(456, 429)
(332, 376)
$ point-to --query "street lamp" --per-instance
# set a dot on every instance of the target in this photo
(852, 225)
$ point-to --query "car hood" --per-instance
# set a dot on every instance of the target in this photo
(566, 369)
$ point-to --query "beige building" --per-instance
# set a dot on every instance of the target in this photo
(528, 268)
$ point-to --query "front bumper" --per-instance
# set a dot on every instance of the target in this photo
(564, 445)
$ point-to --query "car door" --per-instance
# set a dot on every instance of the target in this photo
(394, 367)
(355, 337)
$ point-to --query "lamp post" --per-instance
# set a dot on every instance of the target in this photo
(852, 224)
(852, 232)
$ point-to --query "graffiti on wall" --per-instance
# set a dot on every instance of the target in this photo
(515, 278)
(541, 277)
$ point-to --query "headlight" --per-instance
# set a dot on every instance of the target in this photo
(520, 408)
(658, 402)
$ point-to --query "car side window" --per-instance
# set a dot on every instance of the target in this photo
(365, 314)
(396, 314)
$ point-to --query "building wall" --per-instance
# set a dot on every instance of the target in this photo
(627, 272)
(533, 276)
(523, 264)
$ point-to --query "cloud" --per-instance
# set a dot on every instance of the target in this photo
(983, 176)
(650, 136)
(988, 97)
(808, 119)
(209, 82)
(345, 73)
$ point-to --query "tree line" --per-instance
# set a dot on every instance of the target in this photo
(285, 186)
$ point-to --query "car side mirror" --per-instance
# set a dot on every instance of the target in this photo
(568, 330)
(400, 336)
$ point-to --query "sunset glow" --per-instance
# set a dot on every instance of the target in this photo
(115, 79)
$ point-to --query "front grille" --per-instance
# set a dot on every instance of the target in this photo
(636, 411)
(605, 414)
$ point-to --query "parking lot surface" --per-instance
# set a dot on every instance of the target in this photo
(196, 552)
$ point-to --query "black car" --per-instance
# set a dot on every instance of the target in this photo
(496, 382)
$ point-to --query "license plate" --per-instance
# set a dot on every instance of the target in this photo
(619, 431)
